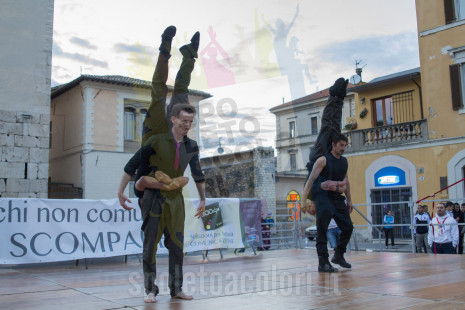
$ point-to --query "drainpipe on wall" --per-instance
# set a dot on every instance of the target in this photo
(421, 98)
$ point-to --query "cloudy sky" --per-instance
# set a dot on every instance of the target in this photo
(254, 54)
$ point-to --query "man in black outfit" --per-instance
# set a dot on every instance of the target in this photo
(328, 179)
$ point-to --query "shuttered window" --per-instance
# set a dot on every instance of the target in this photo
(292, 129)
(456, 86)
(314, 124)
(293, 161)
(449, 11)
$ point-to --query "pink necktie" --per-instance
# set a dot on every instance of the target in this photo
(176, 157)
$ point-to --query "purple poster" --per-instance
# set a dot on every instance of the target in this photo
(250, 211)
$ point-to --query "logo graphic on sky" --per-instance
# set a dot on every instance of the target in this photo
(272, 52)
(212, 218)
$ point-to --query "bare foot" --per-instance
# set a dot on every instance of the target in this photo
(150, 298)
(182, 295)
(147, 182)
(178, 182)
(162, 177)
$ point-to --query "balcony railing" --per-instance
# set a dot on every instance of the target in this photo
(387, 136)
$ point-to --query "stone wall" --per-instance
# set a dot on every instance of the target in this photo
(26, 33)
(24, 146)
(264, 177)
(229, 176)
(242, 175)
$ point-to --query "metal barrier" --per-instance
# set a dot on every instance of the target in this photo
(411, 225)
(287, 231)
(294, 229)
(287, 227)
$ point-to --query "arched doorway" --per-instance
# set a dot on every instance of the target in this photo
(390, 184)
(456, 172)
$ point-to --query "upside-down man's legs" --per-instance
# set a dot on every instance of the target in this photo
(183, 77)
(330, 122)
(155, 120)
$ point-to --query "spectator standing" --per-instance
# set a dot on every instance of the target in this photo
(459, 217)
(421, 240)
(425, 209)
(449, 209)
(388, 229)
(443, 237)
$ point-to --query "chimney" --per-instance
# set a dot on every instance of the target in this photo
(359, 72)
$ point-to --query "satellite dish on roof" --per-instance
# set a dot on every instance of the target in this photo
(355, 79)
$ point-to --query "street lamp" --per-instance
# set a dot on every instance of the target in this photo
(220, 149)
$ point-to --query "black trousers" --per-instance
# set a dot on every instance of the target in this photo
(330, 125)
(387, 232)
(443, 248)
(328, 207)
(163, 216)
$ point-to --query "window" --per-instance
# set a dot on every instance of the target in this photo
(134, 116)
(292, 129)
(454, 10)
(382, 111)
(395, 109)
(457, 79)
(293, 205)
(143, 113)
(314, 124)
(460, 9)
(293, 161)
(443, 182)
(129, 124)
(351, 107)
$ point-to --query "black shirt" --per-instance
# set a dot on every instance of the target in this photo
(335, 170)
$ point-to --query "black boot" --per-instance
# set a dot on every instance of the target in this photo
(190, 50)
(339, 259)
(195, 41)
(324, 265)
(166, 39)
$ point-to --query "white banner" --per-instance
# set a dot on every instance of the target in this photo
(219, 227)
(48, 230)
